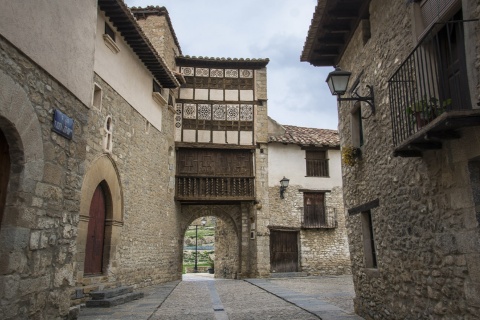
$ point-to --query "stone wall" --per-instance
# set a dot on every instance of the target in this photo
(144, 159)
(322, 251)
(39, 227)
(425, 230)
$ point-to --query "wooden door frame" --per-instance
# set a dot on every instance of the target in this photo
(297, 232)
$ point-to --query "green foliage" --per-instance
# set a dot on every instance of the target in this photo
(202, 233)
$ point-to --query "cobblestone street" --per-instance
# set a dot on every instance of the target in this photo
(201, 297)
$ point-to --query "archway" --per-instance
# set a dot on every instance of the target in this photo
(227, 235)
(102, 189)
(4, 172)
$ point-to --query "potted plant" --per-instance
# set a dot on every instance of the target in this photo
(425, 110)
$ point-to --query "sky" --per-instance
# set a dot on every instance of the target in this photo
(274, 29)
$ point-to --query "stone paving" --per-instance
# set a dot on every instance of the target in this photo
(199, 297)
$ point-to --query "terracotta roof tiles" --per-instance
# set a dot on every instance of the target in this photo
(308, 137)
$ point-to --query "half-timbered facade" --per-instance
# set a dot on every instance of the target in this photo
(412, 190)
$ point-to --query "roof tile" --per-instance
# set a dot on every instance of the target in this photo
(308, 137)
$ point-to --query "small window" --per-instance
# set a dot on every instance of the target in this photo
(109, 31)
(157, 87)
(97, 97)
(317, 163)
(107, 138)
(368, 240)
(357, 126)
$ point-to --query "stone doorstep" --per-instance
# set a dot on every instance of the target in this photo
(110, 293)
(288, 274)
(115, 301)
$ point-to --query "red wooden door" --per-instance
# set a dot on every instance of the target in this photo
(4, 172)
(283, 251)
(95, 234)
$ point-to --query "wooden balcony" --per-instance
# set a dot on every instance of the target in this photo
(325, 219)
(429, 96)
(214, 188)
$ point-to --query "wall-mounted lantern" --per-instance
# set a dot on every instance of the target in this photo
(283, 186)
(338, 82)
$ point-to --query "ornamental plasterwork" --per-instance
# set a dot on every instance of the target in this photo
(189, 111)
(246, 73)
(232, 112)
(231, 73)
(201, 72)
(216, 73)
(204, 112)
(246, 112)
(178, 115)
(187, 71)
(219, 111)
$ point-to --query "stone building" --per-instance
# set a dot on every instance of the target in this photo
(411, 184)
(306, 220)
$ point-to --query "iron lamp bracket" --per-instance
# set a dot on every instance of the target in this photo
(356, 97)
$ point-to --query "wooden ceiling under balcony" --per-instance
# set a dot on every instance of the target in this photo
(332, 27)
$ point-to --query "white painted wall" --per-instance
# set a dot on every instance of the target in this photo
(58, 35)
(289, 161)
(126, 74)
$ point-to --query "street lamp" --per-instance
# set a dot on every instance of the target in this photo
(337, 83)
(283, 186)
(204, 221)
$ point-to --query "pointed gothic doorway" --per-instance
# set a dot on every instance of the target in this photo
(95, 234)
(4, 172)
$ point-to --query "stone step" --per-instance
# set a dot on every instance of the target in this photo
(110, 293)
(288, 274)
(115, 301)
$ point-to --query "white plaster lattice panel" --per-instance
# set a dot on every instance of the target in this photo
(201, 72)
(232, 112)
(203, 135)
(246, 95)
(232, 137)
(204, 112)
(187, 71)
(246, 73)
(246, 112)
(189, 135)
(186, 93)
(216, 73)
(189, 111)
(231, 73)
(219, 111)
(218, 137)
(178, 121)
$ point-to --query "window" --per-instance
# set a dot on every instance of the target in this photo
(314, 210)
(109, 31)
(317, 163)
(368, 240)
(357, 126)
(107, 137)
(97, 97)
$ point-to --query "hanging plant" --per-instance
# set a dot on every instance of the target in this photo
(350, 155)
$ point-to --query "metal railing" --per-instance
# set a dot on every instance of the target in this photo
(320, 220)
(432, 80)
(214, 188)
(317, 167)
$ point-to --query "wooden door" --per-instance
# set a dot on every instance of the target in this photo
(283, 251)
(4, 172)
(95, 234)
(314, 209)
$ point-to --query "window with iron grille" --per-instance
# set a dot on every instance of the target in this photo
(314, 215)
(317, 163)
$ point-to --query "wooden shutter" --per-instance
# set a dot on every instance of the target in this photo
(314, 209)
(317, 164)
(432, 11)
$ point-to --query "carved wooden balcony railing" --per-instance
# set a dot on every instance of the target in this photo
(323, 219)
(429, 96)
(195, 188)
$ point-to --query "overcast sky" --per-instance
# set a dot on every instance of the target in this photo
(275, 29)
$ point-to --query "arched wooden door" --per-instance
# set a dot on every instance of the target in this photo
(4, 172)
(95, 234)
